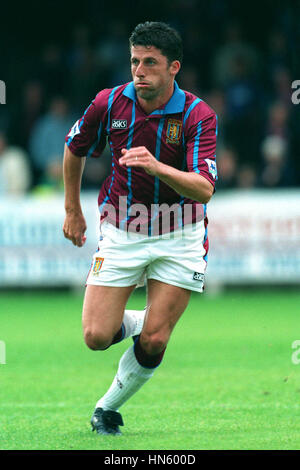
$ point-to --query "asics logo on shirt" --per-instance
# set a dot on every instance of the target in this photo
(119, 123)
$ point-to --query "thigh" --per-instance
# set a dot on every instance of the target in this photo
(120, 260)
(165, 305)
(181, 260)
(104, 306)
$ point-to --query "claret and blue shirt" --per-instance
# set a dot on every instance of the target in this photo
(181, 134)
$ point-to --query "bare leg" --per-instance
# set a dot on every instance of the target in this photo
(138, 363)
(102, 315)
(166, 303)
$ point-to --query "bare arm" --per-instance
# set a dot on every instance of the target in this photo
(74, 225)
(188, 184)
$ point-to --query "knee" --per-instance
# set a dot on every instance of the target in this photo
(153, 343)
(96, 340)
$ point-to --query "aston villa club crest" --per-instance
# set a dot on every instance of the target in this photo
(97, 265)
(173, 131)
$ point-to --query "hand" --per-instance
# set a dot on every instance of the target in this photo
(140, 157)
(74, 228)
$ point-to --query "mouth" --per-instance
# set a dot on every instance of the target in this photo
(142, 84)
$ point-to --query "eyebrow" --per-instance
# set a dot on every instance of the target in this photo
(145, 58)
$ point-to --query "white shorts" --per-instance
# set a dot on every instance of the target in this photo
(127, 259)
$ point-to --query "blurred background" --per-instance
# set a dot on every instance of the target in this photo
(56, 56)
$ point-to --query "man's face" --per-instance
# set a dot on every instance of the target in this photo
(151, 72)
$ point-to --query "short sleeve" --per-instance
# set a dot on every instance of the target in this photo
(87, 137)
(201, 140)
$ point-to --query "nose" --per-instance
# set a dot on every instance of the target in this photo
(139, 70)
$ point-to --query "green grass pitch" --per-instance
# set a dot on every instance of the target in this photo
(227, 380)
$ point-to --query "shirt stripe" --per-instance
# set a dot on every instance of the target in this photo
(131, 127)
(129, 170)
(205, 235)
(109, 105)
(157, 156)
(196, 148)
(188, 112)
(111, 182)
(92, 149)
(191, 107)
(156, 179)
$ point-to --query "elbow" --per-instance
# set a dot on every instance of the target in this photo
(205, 200)
(206, 195)
(205, 190)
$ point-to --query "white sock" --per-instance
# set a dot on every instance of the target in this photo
(133, 321)
(128, 380)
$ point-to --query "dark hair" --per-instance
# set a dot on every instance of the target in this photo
(159, 35)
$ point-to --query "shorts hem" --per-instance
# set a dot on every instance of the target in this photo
(177, 284)
(110, 284)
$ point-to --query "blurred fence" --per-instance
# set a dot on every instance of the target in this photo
(33, 250)
(254, 238)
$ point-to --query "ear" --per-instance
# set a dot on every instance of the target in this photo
(175, 67)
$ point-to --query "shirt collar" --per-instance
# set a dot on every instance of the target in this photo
(174, 105)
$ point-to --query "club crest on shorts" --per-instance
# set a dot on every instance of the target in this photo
(97, 266)
(173, 131)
